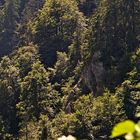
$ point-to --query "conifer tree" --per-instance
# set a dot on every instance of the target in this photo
(10, 23)
(12, 69)
(130, 89)
(37, 94)
(114, 35)
(9, 76)
(55, 28)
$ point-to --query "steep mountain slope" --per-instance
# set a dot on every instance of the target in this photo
(71, 67)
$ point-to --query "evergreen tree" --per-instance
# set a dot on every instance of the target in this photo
(57, 87)
(24, 57)
(113, 39)
(12, 70)
(10, 23)
(4, 135)
(54, 29)
(98, 115)
(130, 89)
(9, 76)
(37, 94)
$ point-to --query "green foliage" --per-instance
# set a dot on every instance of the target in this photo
(9, 26)
(9, 93)
(54, 29)
(24, 57)
(35, 129)
(123, 128)
(37, 94)
(12, 69)
(62, 66)
(129, 128)
(130, 89)
(65, 124)
(3, 131)
(57, 87)
(100, 114)
(113, 35)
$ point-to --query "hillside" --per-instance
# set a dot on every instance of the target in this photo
(68, 67)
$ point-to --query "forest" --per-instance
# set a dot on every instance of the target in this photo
(68, 67)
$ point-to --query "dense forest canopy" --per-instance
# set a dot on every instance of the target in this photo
(68, 67)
